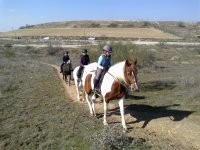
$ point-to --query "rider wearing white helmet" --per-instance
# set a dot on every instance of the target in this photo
(104, 63)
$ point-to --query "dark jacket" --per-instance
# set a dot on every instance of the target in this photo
(65, 58)
(84, 60)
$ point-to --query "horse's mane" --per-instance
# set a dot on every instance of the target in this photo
(117, 70)
(91, 67)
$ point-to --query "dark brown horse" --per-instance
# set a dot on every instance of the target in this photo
(67, 69)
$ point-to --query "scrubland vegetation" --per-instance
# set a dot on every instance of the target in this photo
(36, 113)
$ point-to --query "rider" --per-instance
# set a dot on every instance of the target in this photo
(65, 59)
(84, 60)
(104, 63)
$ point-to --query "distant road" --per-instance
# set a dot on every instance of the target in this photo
(46, 45)
(95, 43)
(166, 43)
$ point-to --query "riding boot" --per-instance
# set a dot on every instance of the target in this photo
(96, 90)
(79, 72)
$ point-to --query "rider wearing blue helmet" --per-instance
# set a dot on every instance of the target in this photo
(84, 60)
(104, 63)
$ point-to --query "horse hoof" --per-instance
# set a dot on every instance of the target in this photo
(105, 123)
(125, 129)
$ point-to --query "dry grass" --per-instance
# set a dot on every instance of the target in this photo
(37, 115)
(97, 32)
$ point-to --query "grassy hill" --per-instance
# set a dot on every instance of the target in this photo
(114, 29)
(150, 33)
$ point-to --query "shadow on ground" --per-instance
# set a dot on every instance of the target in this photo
(147, 113)
(157, 86)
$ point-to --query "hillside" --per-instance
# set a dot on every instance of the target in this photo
(38, 112)
(145, 33)
(114, 29)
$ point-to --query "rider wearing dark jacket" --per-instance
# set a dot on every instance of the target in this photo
(84, 60)
(65, 58)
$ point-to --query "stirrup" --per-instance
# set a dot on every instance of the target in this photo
(97, 91)
(79, 80)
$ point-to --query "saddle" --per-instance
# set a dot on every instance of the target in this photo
(67, 68)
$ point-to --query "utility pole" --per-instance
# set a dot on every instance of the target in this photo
(85, 37)
(14, 32)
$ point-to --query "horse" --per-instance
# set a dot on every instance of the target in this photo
(119, 79)
(78, 84)
(67, 69)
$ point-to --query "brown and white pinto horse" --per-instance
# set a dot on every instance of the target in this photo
(119, 78)
(78, 84)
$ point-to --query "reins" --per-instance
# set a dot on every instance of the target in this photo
(123, 84)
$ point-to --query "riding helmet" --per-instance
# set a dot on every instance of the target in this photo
(84, 50)
(107, 48)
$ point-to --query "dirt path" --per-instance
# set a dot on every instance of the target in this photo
(95, 43)
(162, 131)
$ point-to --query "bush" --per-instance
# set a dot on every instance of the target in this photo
(94, 25)
(146, 24)
(9, 86)
(8, 45)
(51, 50)
(113, 138)
(113, 25)
(198, 51)
(123, 52)
(8, 52)
(181, 25)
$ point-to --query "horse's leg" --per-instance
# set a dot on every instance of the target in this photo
(63, 76)
(93, 104)
(89, 104)
(121, 105)
(105, 112)
(77, 88)
(69, 80)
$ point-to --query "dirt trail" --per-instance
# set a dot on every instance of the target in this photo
(162, 130)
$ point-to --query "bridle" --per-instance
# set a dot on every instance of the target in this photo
(134, 85)
(128, 87)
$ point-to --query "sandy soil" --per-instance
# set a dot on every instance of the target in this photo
(159, 131)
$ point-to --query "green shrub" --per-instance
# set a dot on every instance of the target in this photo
(123, 52)
(7, 45)
(198, 51)
(94, 25)
(52, 50)
(8, 52)
(146, 24)
(181, 25)
(9, 86)
(113, 25)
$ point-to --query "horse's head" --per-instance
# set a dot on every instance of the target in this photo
(130, 73)
(69, 61)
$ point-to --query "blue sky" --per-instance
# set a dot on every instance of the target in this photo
(16, 13)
